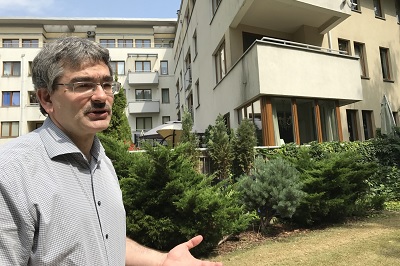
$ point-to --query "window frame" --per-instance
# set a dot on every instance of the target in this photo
(10, 129)
(13, 64)
(385, 63)
(143, 64)
(124, 43)
(357, 7)
(115, 67)
(10, 43)
(163, 98)
(346, 43)
(142, 43)
(220, 62)
(107, 43)
(162, 72)
(144, 123)
(363, 59)
(30, 43)
(12, 95)
(378, 11)
(144, 93)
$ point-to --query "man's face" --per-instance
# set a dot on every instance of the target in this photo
(77, 114)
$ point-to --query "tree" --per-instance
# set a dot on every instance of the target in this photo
(272, 188)
(190, 138)
(220, 149)
(119, 126)
(243, 146)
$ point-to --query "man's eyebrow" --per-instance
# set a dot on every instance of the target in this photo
(91, 79)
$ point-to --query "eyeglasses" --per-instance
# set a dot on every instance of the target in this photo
(85, 87)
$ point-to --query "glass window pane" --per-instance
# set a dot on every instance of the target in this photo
(15, 99)
(146, 66)
(5, 129)
(16, 67)
(14, 129)
(121, 68)
(6, 98)
(7, 68)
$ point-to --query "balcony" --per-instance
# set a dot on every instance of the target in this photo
(142, 78)
(287, 69)
(289, 15)
(141, 107)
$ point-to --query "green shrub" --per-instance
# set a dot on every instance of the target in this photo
(272, 188)
(171, 202)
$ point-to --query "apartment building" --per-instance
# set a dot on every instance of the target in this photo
(141, 53)
(301, 70)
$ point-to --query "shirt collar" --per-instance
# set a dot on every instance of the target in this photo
(56, 142)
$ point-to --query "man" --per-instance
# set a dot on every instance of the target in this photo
(60, 201)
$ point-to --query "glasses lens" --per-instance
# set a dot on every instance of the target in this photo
(108, 87)
(84, 87)
(116, 87)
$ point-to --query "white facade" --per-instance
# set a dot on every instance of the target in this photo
(295, 81)
(136, 47)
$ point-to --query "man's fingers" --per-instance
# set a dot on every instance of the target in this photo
(194, 241)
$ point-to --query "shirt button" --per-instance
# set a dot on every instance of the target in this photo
(106, 236)
(99, 203)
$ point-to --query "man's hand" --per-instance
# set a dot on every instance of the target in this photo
(181, 256)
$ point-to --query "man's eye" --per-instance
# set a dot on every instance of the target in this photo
(83, 85)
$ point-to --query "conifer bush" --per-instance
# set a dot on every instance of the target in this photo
(273, 188)
(170, 201)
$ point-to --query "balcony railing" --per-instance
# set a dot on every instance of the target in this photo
(140, 107)
(142, 78)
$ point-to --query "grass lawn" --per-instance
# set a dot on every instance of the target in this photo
(372, 241)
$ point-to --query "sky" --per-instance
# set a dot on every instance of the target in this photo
(90, 8)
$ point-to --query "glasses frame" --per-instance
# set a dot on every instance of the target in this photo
(116, 86)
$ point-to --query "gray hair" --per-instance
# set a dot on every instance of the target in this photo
(71, 53)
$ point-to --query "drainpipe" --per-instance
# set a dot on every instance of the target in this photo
(329, 41)
(21, 97)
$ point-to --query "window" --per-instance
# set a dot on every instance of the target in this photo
(142, 66)
(166, 119)
(9, 129)
(142, 43)
(107, 43)
(397, 4)
(143, 95)
(11, 68)
(344, 46)
(30, 43)
(164, 95)
(385, 63)
(32, 98)
(215, 5)
(220, 65)
(359, 50)
(355, 5)
(30, 68)
(378, 9)
(10, 43)
(352, 124)
(198, 93)
(367, 124)
(195, 43)
(128, 43)
(164, 67)
(143, 123)
(118, 67)
(11, 98)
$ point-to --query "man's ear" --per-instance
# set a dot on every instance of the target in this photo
(44, 98)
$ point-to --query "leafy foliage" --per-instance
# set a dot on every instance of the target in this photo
(190, 138)
(172, 202)
(272, 188)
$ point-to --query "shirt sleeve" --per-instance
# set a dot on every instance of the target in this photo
(16, 226)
